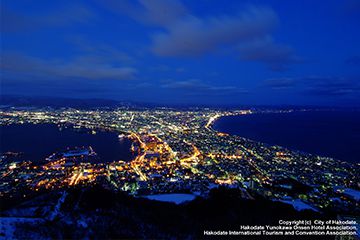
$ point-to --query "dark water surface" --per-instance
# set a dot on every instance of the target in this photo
(38, 141)
(327, 133)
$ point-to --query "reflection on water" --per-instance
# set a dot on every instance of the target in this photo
(39, 141)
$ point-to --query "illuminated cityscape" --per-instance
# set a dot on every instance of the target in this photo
(179, 152)
(179, 119)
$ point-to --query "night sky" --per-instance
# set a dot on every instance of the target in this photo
(192, 52)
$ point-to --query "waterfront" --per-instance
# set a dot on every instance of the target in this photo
(327, 133)
(178, 152)
(38, 141)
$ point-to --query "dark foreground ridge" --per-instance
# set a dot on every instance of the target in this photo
(98, 213)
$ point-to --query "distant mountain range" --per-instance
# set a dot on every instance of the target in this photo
(57, 102)
(7, 101)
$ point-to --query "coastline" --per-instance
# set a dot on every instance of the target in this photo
(277, 132)
(84, 137)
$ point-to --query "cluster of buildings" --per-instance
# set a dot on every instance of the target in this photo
(179, 151)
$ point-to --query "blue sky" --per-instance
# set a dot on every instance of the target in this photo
(191, 52)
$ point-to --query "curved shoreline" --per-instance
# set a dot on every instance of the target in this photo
(43, 135)
(315, 134)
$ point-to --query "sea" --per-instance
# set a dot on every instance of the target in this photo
(333, 134)
(36, 142)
